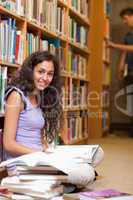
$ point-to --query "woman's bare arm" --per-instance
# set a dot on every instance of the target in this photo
(14, 106)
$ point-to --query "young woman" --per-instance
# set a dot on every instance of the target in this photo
(33, 112)
(33, 109)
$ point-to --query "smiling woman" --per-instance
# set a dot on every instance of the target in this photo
(30, 99)
(43, 74)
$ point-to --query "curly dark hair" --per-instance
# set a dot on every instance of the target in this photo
(50, 98)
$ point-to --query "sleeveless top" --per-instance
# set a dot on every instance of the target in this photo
(30, 124)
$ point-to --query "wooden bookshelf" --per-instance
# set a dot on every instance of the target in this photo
(79, 141)
(81, 19)
(11, 14)
(72, 36)
(9, 64)
(99, 69)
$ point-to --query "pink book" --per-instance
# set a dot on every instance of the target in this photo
(103, 193)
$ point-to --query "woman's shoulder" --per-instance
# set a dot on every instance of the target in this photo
(14, 95)
(13, 92)
(14, 99)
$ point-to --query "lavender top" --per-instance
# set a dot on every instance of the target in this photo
(30, 124)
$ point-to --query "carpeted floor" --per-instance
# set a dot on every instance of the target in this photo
(116, 170)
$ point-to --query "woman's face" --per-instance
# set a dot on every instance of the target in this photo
(43, 74)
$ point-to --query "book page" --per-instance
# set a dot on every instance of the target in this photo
(81, 153)
(75, 153)
(28, 159)
(42, 158)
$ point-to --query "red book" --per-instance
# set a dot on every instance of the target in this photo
(17, 46)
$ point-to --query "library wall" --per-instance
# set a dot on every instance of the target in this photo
(118, 31)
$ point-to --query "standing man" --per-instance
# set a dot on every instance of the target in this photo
(126, 58)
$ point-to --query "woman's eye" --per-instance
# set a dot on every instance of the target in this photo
(51, 74)
(41, 72)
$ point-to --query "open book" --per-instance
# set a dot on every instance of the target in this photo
(42, 158)
(74, 153)
(81, 153)
(71, 160)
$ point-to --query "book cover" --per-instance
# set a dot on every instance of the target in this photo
(103, 193)
(111, 194)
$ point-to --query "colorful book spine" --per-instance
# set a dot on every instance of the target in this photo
(3, 83)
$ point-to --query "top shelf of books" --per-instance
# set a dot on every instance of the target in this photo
(36, 11)
(67, 21)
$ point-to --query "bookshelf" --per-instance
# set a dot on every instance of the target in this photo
(62, 27)
(99, 68)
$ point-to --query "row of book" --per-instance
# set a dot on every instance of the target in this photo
(16, 6)
(32, 43)
(11, 41)
(37, 11)
(39, 7)
(76, 64)
(77, 126)
(81, 6)
(45, 13)
(3, 83)
(12, 47)
(35, 43)
(74, 95)
(77, 33)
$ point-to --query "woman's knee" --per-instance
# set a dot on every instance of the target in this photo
(98, 157)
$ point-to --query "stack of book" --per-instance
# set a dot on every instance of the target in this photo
(34, 181)
(41, 175)
(35, 189)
